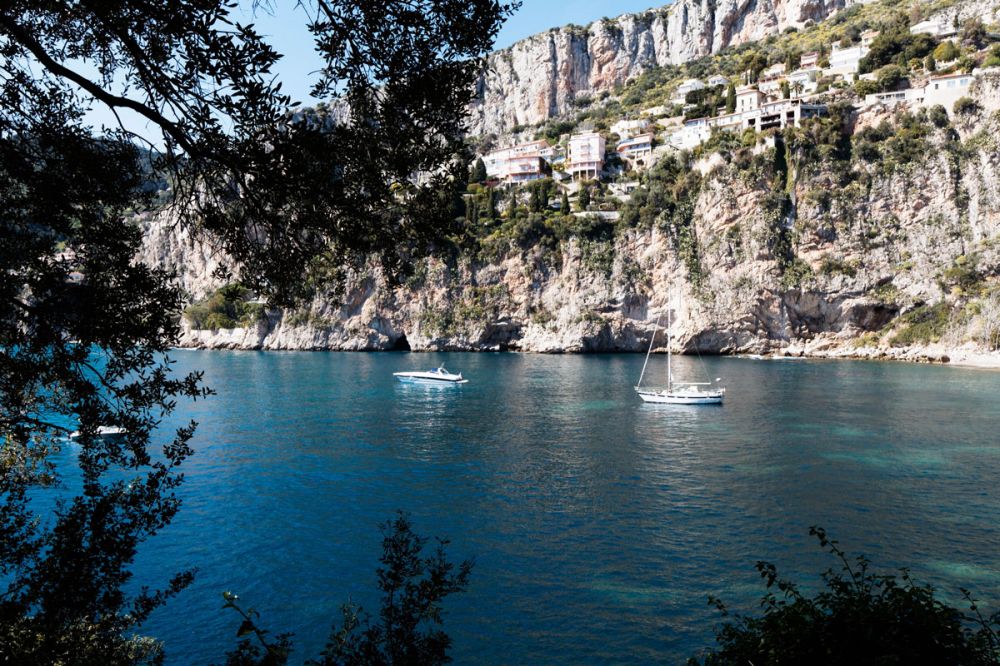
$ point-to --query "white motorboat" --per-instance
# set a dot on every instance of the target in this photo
(677, 393)
(435, 376)
(103, 432)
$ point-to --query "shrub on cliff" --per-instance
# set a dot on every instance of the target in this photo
(228, 307)
(922, 325)
(894, 43)
(859, 618)
(965, 106)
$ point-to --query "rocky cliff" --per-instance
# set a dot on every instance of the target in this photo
(844, 259)
(539, 77)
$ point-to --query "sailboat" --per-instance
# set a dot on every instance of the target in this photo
(677, 393)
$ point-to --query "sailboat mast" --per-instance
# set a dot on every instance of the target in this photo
(670, 374)
(648, 351)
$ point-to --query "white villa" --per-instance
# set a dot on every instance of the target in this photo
(692, 134)
(659, 110)
(947, 89)
(748, 98)
(809, 60)
(586, 155)
(637, 150)
(803, 80)
(939, 28)
(683, 89)
(717, 80)
(517, 164)
(845, 61)
(944, 90)
(629, 128)
(755, 113)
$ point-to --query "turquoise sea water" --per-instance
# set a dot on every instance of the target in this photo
(599, 524)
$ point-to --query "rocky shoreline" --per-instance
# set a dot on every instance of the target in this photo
(822, 349)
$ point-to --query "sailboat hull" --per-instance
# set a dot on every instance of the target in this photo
(684, 398)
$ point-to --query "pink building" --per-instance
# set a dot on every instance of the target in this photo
(517, 164)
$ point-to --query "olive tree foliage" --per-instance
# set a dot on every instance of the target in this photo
(407, 630)
(292, 197)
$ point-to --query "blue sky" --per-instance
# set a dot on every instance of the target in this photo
(285, 29)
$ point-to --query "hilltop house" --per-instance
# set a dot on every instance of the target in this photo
(629, 128)
(637, 150)
(748, 98)
(586, 155)
(947, 89)
(755, 114)
(944, 90)
(809, 60)
(680, 96)
(691, 134)
(770, 79)
(517, 164)
(659, 110)
(803, 80)
(717, 80)
(890, 99)
(844, 62)
(939, 28)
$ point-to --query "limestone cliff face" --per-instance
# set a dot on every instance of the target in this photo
(538, 77)
(864, 254)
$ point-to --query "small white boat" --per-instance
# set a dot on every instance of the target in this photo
(677, 393)
(103, 432)
(435, 376)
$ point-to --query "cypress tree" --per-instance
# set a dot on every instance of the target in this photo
(478, 172)
(731, 98)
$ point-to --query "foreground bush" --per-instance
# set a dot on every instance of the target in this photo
(860, 618)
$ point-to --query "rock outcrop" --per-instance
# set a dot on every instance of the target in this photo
(539, 77)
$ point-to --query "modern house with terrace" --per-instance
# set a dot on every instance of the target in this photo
(803, 81)
(947, 89)
(770, 79)
(845, 61)
(518, 164)
(755, 114)
(637, 150)
(585, 157)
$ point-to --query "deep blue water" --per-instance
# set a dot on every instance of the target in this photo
(599, 524)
